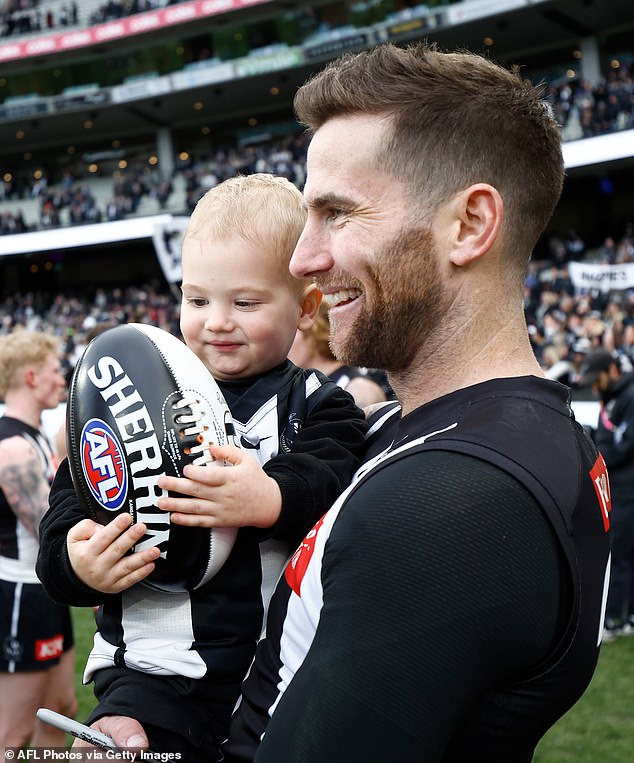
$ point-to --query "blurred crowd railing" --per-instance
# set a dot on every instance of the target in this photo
(565, 322)
(140, 189)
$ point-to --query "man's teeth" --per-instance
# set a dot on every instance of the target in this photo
(337, 297)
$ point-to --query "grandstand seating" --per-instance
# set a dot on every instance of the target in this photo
(244, 134)
(59, 14)
(227, 122)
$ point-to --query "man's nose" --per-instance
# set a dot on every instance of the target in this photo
(311, 256)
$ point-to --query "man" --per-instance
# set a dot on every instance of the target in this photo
(448, 607)
(37, 658)
(615, 439)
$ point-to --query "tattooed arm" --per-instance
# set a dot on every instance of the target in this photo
(23, 482)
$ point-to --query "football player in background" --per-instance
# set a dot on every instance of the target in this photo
(37, 661)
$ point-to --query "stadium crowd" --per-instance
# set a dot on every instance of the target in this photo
(117, 9)
(76, 317)
(24, 17)
(71, 201)
(285, 157)
(565, 323)
(583, 111)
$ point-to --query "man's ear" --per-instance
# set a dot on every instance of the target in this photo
(478, 213)
(310, 307)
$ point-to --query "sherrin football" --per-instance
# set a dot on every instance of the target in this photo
(142, 404)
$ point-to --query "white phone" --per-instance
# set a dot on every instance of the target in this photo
(77, 729)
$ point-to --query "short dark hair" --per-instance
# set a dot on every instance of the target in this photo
(456, 119)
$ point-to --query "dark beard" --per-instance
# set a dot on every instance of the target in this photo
(408, 302)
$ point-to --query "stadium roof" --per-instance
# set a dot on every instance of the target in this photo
(235, 91)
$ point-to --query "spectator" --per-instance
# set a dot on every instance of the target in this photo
(615, 440)
(311, 349)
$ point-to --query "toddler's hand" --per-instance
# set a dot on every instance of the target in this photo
(237, 495)
(99, 554)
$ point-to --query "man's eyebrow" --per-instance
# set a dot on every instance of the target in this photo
(329, 200)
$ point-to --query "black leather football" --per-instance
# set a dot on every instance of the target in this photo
(142, 404)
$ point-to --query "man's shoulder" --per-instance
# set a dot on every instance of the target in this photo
(15, 448)
(516, 404)
(520, 425)
(11, 427)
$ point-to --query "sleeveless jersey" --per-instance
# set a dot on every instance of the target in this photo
(18, 547)
(519, 433)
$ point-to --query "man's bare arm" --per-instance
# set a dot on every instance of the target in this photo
(23, 482)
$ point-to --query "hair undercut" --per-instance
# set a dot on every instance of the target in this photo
(453, 119)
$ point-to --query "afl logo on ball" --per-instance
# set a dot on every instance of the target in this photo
(103, 464)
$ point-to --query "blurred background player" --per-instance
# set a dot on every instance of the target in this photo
(37, 658)
(614, 437)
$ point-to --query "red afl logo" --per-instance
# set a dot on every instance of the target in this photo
(103, 464)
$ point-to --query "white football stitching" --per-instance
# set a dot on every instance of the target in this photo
(219, 431)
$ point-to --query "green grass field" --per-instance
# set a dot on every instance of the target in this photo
(84, 628)
(598, 729)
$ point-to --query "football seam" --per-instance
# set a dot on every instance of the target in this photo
(181, 393)
(196, 417)
(203, 577)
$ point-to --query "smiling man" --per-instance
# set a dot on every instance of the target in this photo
(448, 606)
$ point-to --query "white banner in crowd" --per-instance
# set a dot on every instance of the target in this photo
(602, 277)
(167, 238)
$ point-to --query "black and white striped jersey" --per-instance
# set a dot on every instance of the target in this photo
(18, 547)
(310, 436)
(449, 606)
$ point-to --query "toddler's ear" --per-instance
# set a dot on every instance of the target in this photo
(311, 300)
